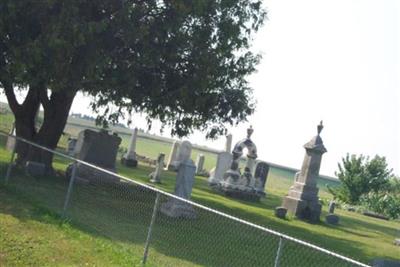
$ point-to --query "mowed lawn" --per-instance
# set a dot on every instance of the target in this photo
(110, 223)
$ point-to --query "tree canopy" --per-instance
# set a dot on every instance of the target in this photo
(182, 62)
(360, 175)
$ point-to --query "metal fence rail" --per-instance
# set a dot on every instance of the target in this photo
(128, 211)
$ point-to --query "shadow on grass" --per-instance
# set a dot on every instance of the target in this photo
(123, 213)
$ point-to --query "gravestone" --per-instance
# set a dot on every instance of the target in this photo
(397, 242)
(224, 160)
(332, 219)
(172, 156)
(11, 141)
(302, 199)
(331, 207)
(244, 185)
(385, 263)
(228, 143)
(155, 177)
(35, 169)
(200, 164)
(97, 148)
(280, 212)
(129, 159)
(71, 146)
(260, 176)
(183, 189)
(184, 153)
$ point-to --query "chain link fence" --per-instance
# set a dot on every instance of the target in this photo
(115, 207)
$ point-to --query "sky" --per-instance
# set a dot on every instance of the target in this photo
(336, 61)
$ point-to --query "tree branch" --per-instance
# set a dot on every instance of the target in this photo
(11, 99)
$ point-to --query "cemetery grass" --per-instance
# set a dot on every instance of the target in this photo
(107, 223)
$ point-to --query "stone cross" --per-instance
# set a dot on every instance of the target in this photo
(155, 177)
(172, 155)
(200, 164)
(302, 199)
(183, 189)
(129, 159)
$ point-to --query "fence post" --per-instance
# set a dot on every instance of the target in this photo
(153, 218)
(70, 186)
(11, 163)
(278, 252)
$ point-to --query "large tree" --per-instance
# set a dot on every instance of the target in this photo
(182, 62)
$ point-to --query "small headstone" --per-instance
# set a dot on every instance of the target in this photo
(35, 169)
(155, 177)
(183, 188)
(129, 159)
(260, 176)
(71, 146)
(280, 212)
(331, 207)
(11, 140)
(385, 263)
(200, 164)
(397, 242)
(332, 219)
(172, 156)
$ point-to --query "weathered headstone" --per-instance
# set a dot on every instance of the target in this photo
(184, 153)
(385, 263)
(200, 164)
(332, 219)
(129, 159)
(302, 199)
(11, 141)
(397, 242)
(280, 212)
(331, 207)
(97, 148)
(71, 146)
(224, 160)
(172, 156)
(155, 177)
(35, 169)
(183, 188)
(228, 143)
(260, 176)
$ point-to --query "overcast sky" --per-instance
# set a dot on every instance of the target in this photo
(336, 61)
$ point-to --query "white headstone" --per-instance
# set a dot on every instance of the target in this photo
(131, 153)
(172, 155)
(228, 143)
(200, 163)
(155, 177)
(183, 188)
(224, 161)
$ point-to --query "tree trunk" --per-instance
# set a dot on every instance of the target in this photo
(56, 112)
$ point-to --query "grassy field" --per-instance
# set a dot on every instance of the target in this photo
(116, 219)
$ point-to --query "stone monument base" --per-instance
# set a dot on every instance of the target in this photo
(303, 209)
(239, 192)
(178, 209)
(129, 162)
(92, 176)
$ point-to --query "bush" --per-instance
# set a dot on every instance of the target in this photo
(384, 203)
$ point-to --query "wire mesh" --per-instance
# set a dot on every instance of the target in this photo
(176, 232)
